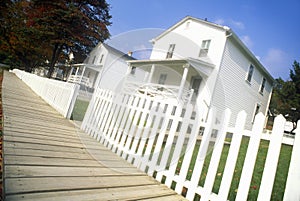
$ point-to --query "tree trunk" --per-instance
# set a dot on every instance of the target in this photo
(55, 55)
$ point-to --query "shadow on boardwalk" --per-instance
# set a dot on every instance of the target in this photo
(47, 158)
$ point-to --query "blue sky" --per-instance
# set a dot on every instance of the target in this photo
(270, 29)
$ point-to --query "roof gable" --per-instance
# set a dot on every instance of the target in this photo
(204, 22)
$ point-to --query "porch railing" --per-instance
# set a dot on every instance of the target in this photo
(78, 79)
(159, 91)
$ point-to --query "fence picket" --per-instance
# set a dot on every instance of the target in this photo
(160, 139)
(179, 144)
(201, 155)
(154, 130)
(250, 159)
(216, 155)
(140, 128)
(269, 173)
(232, 156)
(148, 133)
(170, 138)
(130, 122)
(293, 180)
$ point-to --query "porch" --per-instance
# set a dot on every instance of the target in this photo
(169, 79)
(85, 75)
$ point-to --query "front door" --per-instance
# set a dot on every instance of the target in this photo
(195, 84)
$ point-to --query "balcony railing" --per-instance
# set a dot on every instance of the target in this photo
(78, 79)
(164, 92)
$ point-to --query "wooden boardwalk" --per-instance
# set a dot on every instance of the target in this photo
(47, 158)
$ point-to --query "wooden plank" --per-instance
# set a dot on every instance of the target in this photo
(35, 184)
(19, 171)
(128, 193)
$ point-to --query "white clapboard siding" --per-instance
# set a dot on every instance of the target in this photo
(152, 134)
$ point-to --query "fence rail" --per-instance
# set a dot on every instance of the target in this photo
(60, 95)
(160, 138)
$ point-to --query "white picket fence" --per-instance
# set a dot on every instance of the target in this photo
(60, 95)
(156, 136)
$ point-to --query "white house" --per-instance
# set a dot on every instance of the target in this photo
(211, 60)
(105, 67)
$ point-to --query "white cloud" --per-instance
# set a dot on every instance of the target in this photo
(219, 21)
(247, 40)
(237, 24)
(277, 62)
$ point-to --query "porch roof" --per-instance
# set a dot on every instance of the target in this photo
(200, 65)
(91, 66)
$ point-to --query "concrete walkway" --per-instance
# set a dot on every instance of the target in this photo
(47, 158)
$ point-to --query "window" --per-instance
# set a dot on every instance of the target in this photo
(262, 86)
(250, 73)
(256, 111)
(204, 48)
(101, 58)
(133, 70)
(170, 51)
(94, 58)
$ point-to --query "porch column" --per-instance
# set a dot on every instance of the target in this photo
(77, 69)
(151, 73)
(82, 73)
(183, 80)
(70, 73)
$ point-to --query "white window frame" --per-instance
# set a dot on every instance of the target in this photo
(204, 48)
(256, 111)
(170, 51)
(263, 85)
(250, 73)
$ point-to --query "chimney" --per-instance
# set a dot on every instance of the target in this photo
(129, 53)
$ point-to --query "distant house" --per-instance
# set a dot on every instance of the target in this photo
(209, 61)
(105, 67)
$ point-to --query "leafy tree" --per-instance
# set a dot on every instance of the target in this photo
(286, 96)
(51, 29)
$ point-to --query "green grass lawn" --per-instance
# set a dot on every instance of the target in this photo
(79, 110)
(281, 175)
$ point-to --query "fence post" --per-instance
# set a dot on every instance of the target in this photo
(293, 180)
(72, 101)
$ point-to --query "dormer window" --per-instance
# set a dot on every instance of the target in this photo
(204, 48)
(170, 51)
